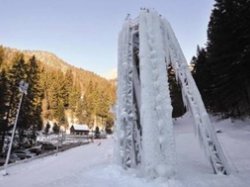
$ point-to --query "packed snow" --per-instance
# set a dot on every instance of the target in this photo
(92, 165)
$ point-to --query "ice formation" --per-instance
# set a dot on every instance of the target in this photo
(145, 138)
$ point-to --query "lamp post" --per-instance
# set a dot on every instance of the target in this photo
(23, 87)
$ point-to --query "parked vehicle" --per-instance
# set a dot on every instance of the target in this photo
(48, 146)
(13, 158)
(22, 154)
(37, 150)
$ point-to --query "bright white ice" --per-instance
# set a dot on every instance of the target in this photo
(92, 165)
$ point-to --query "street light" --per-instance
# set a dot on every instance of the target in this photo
(23, 87)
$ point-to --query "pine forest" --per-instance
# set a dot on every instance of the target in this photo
(57, 92)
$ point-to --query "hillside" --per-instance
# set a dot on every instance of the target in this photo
(51, 61)
(85, 88)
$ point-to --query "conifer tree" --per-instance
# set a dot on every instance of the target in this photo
(175, 94)
(15, 75)
(201, 74)
(89, 103)
(56, 128)
(227, 86)
(103, 106)
(81, 114)
(3, 100)
(74, 103)
(59, 92)
(30, 111)
(4, 85)
(68, 81)
(47, 127)
(34, 96)
(45, 82)
(3, 108)
(74, 98)
(1, 56)
(60, 114)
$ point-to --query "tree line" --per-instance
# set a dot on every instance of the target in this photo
(222, 68)
(62, 96)
(29, 116)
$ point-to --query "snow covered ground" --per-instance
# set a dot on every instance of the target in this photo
(92, 165)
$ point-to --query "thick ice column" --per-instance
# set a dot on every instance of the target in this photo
(119, 126)
(156, 110)
(203, 126)
(126, 116)
(145, 89)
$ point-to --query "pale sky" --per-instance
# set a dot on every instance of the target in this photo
(84, 33)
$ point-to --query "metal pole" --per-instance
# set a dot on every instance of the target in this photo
(12, 137)
(57, 145)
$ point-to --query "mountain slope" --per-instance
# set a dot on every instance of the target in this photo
(54, 71)
(51, 61)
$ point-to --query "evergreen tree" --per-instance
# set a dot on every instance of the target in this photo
(109, 124)
(103, 106)
(60, 114)
(4, 84)
(30, 113)
(3, 95)
(81, 114)
(89, 103)
(56, 128)
(227, 86)
(1, 56)
(35, 94)
(15, 75)
(74, 98)
(175, 94)
(47, 79)
(68, 81)
(201, 74)
(58, 90)
(47, 127)
(228, 37)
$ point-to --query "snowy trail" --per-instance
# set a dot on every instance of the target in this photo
(193, 168)
(84, 166)
(67, 167)
(91, 165)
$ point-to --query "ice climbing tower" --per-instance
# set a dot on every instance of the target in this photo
(147, 46)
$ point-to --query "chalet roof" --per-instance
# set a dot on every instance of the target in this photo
(80, 127)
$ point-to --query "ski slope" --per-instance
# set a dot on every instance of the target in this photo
(92, 165)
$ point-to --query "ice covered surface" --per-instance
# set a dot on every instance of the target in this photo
(92, 165)
(158, 47)
(158, 150)
(126, 124)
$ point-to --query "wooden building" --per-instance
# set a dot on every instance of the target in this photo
(79, 129)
